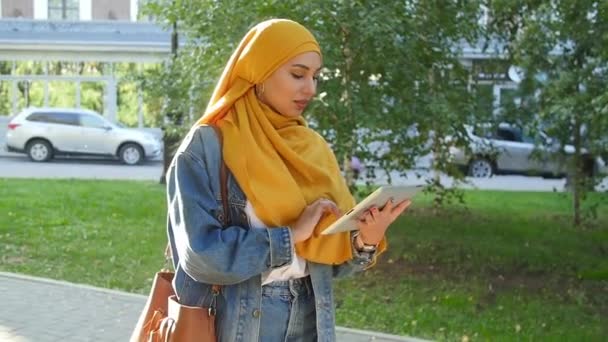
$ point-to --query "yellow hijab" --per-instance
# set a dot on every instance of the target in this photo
(280, 163)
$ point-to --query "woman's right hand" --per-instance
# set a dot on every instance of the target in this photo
(305, 225)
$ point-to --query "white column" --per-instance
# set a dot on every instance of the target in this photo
(14, 91)
(111, 105)
(0, 8)
(86, 10)
(496, 94)
(134, 9)
(46, 93)
(46, 84)
(41, 9)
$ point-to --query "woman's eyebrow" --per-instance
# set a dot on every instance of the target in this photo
(305, 67)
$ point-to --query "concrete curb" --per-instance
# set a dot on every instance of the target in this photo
(74, 285)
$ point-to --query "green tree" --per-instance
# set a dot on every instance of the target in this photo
(390, 69)
(393, 70)
(562, 46)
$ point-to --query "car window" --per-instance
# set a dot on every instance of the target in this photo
(88, 120)
(55, 118)
(64, 118)
(506, 134)
(39, 117)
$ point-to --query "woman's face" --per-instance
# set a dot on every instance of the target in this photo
(291, 87)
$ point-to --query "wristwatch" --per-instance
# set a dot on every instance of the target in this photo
(366, 247)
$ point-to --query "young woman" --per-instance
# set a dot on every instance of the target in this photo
(284, 188)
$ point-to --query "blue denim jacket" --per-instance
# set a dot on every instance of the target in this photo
(236, 255)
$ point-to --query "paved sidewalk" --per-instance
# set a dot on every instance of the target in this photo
(42, 310)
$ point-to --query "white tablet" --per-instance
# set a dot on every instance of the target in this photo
(378, 199)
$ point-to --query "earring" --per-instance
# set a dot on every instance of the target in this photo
(259, 89)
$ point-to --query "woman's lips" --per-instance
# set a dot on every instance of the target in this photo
(301, 104)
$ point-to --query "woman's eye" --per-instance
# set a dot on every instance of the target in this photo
(297, 76)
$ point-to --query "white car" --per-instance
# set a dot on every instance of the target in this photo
(43, 133)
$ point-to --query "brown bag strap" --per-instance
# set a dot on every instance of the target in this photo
(223, 193)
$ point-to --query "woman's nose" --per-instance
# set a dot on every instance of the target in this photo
(310, 89)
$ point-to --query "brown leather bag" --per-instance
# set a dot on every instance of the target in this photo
(163, 318)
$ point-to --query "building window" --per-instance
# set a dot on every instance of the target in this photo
(64, 10)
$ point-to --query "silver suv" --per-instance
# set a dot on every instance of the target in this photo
(43, 133)
(508, 149)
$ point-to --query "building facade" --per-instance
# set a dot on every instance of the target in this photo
(114, 31)
(74, 10)
(47, 32)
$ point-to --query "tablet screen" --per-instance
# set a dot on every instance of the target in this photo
(378, 199)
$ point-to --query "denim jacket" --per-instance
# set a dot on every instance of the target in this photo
(234, 256)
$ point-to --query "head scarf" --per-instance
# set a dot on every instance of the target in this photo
(280, 163)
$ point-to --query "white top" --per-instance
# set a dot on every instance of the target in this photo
(297, 268)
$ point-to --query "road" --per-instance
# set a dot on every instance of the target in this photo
(500, 182)
(19, 166)
(14, 165)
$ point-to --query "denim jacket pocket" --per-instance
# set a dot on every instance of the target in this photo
(195, 293)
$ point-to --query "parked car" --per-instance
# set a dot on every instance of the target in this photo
(43, 133)
(508, 149)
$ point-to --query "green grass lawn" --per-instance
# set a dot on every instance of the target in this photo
(506, 267)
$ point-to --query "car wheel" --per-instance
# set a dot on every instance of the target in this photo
(131, 154)
(39, 150)
(481, 168)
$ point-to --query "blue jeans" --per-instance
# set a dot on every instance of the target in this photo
(288, 311)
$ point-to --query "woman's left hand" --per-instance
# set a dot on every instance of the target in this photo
(374, 223)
